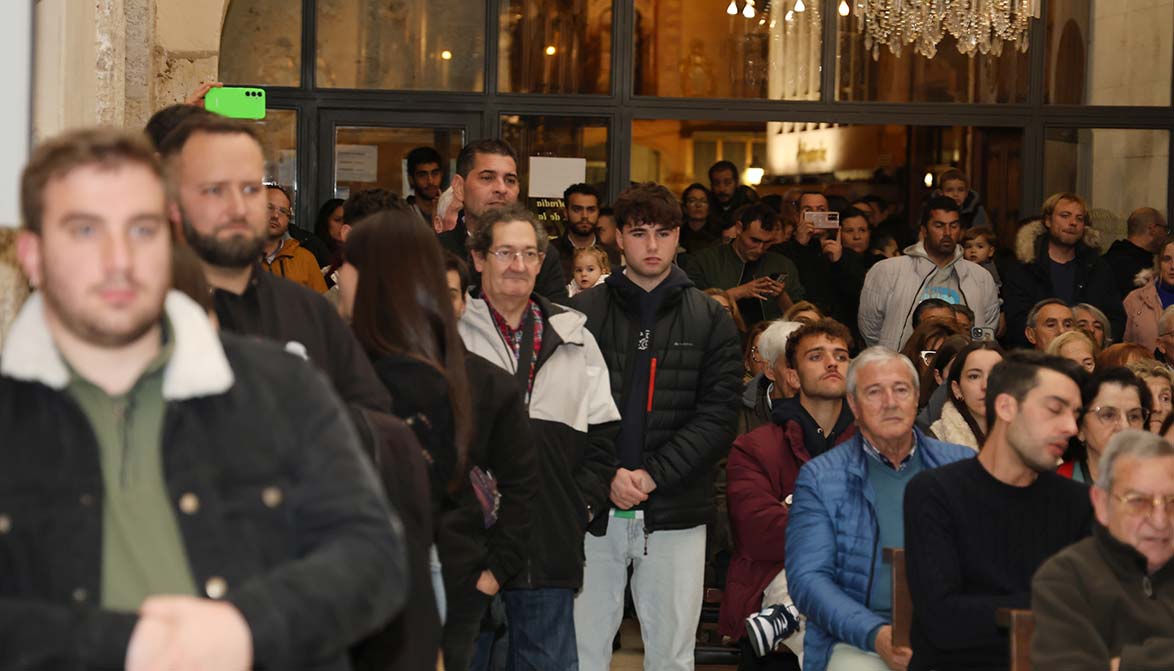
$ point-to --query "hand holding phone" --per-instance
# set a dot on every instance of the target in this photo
(236, 102)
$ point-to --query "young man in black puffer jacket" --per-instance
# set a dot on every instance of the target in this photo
(673, 359)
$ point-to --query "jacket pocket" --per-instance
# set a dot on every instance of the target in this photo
(259, 522)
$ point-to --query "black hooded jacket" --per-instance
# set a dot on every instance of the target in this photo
(690, 421)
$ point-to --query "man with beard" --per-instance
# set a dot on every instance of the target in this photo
(1058, 258)
(215, 170)
(728, 196)
(283, 255)
(487, 178)
(426, 175)
(152, 517)
(932, 268)
(581, 218)
(976, 531)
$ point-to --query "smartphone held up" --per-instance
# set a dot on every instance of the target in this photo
(236, 102)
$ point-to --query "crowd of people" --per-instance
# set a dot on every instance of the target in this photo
(429, 434)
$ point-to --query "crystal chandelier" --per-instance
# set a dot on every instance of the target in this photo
(978, 25)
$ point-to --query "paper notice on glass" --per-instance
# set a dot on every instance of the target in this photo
(549, 177)
(356, 163)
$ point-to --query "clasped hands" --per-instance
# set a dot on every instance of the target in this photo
(630, 488)
(183, 633)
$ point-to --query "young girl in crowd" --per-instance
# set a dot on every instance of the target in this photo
(963, 419)
(589, 268)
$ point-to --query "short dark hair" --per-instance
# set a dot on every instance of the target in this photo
(976, 232)
(607, 212)
(482, 239)
(457, 265)
(722, 166)
(364, 203)
(469, 152)
(852, 212)
(760, 212)
(928, 304)
(213, 124)
(1033, 313)
(943, 203)
(873, 199)
(647, 203)
(167, 119)
(1018, 373)
(422, 155)
(827, 326)
(953, 175)
(810, 192)
(284, 191)
(1118, 375)
(582, 189)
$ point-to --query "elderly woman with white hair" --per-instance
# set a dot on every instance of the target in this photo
(766, 387)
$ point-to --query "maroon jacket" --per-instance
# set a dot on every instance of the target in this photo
(761, 473)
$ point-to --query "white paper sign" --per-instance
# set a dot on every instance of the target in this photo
(356, 163)
(549, 177)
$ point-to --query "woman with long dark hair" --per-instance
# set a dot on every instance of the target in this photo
(328, 224)
(964, 419)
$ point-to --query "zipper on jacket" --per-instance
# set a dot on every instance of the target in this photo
(872, 562)
(122, 412)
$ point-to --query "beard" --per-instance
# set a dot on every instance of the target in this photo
(234, 252)
(94, 327)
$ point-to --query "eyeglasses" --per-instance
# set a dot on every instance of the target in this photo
(529, 257)
(928, 355)
(754, 355)
(1140, 504)
(696, 201)
(1110, 415)
(283, 211)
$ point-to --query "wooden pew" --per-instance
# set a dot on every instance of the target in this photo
(1020, 623)
(902, 601)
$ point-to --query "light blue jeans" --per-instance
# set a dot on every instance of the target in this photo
(437, 582)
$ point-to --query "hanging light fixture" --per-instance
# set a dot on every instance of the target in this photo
(844, 9)
(732, 9)
(800, 7)
(980, 27)
(748, 10)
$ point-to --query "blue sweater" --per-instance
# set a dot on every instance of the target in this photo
(833, 551)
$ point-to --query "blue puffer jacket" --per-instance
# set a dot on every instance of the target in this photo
(832, 550)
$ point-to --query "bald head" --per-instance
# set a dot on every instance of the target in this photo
(1146, 227)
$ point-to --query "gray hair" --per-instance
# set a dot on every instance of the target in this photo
(482, 239)
(772, 344)
(879, 354)
(1099, 316)
(1130, 443)
(1165, 320)
(1033, 314)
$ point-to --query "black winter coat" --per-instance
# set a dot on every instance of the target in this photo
(1126, 260)
(696, 395)
(1030, 281)
(290, 518)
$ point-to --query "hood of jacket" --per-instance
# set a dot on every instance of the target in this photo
(289, 246)
(664, 295)
(755, 389)
(566, 323)
(1031, 242)
(197, 367)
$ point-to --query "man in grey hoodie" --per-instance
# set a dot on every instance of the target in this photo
(932, 268)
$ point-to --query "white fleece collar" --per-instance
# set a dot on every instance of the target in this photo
(197, 367)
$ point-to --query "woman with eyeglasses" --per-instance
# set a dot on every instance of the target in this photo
(1114, 399)
(922, 348)
(963, 419)
(700, 229)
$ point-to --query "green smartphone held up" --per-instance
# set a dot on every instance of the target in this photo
(237, 102)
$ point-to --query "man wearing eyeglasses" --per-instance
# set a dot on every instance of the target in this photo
(1107, 602)
(282, 255)
(977, 530)
(573, 420)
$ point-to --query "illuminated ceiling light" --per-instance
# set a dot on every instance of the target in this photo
(790, 16)
(732, 10)
(446, 55)
(976, 27)
(550, 50)
(929, 180)
(800, 7)
(844, 10)
(748, 10)
(754, 176)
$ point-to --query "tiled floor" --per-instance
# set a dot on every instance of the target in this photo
(630, 657)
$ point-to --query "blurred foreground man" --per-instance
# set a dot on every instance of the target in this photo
(1107, 602)
(148, 520)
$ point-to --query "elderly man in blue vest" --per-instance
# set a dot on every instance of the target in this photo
(847, 506)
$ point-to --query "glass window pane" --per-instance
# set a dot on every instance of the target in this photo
(1116, 170)
(279, 141)
(261, 43)
(950, 76)
(700, 50)
(845, 161)
(436, 45)
(367, 157)
(555, 46)
(1109, 52)
(559, 137)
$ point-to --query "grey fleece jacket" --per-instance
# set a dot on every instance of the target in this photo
(892, 287)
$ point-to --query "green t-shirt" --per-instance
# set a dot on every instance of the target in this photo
(142, 548)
